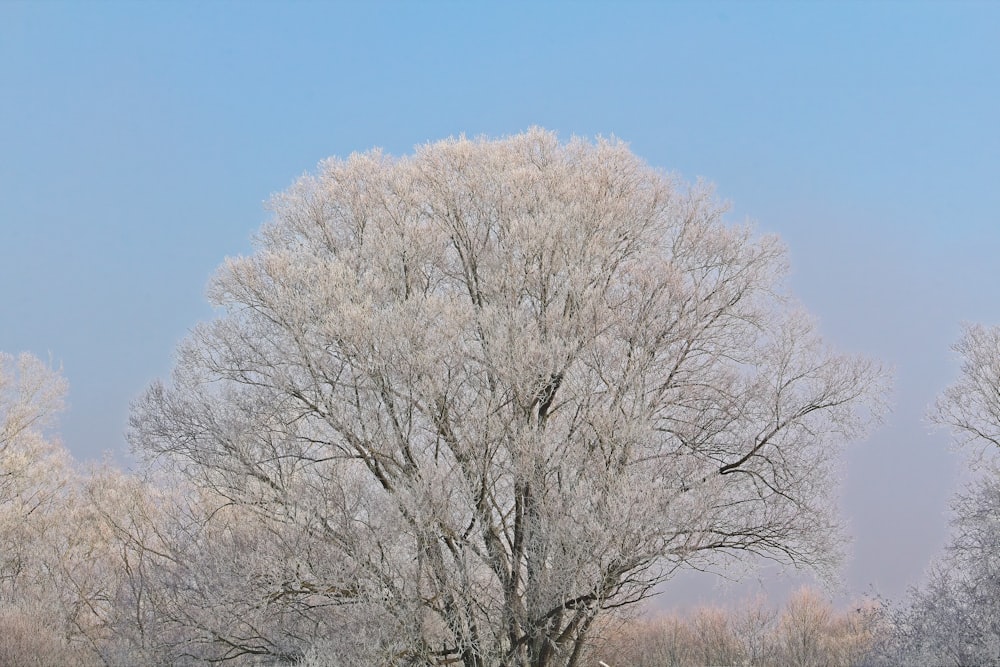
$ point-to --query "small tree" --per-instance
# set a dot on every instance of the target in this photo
(48, 585)
(508, 385)
(33, 467)
(34, 473)
(970, 408)
(953, 618)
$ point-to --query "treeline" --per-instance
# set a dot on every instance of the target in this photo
(806, 632)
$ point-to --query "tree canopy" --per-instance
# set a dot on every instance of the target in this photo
(483, 393)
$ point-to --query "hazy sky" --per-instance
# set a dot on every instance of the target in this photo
(139, 141)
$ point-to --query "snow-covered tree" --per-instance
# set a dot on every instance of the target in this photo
(953, 617)
(498, 387)
(34, 468)
(49, 580)
(970, 408)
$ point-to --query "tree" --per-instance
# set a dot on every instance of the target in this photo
(503, 386)
(73, 579)
(34, 469)
(33, 465)
(47, 549)
(954, 616)
(970, 408)
(182, 583)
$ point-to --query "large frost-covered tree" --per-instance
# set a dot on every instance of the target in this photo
(498, 387)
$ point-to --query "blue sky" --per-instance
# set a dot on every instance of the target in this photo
(138, 142)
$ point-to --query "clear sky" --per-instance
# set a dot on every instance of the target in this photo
(139, 141)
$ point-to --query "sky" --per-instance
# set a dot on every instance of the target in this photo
(139, 143)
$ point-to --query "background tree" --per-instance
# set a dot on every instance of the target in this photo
(953, 618)
(47, 593)
(503, 386)
(34, 469)
(970, 408)
(34, 472)
(806, 633)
